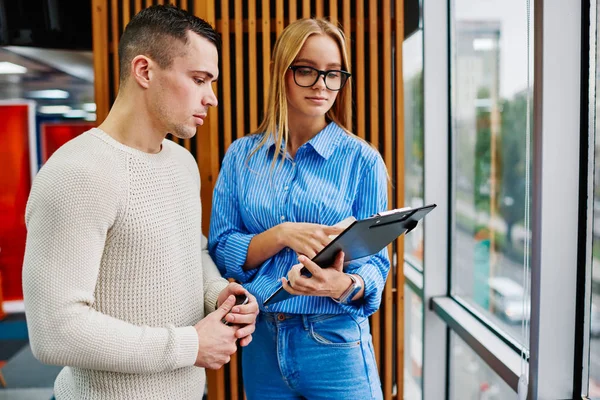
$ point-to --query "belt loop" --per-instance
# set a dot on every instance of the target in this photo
(305, 322)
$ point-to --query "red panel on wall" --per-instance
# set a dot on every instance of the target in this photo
(15, 182)
(54, 135)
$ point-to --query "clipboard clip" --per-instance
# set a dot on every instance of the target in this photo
(390, 212)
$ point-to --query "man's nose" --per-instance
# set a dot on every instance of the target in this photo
(210, 99)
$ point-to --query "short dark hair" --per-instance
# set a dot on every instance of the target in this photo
(151, 33)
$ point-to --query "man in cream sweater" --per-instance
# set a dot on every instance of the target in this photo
(117, 283)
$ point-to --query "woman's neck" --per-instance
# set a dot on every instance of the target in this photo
(301, 130)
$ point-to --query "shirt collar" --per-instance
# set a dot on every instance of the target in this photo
(324, 142)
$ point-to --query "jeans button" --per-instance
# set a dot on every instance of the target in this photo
(280, 317)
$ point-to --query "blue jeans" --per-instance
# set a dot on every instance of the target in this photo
(295, 356)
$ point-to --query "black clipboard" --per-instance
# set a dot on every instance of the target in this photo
(363, 238)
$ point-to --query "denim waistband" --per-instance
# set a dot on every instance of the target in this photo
(298, 319)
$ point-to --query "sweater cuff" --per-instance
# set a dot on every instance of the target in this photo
(187, 346)
(212, 294)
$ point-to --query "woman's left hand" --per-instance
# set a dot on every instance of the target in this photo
(330, 282)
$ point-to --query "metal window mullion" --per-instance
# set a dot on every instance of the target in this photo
(436, 190)
(584, 357)
(555, 192)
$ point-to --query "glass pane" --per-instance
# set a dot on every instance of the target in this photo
(471, 378)
(413, 345)
(488, 105)
(594, 369)
(412, 63)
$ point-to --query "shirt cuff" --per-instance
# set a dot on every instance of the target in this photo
(186, 339)
(234, 257)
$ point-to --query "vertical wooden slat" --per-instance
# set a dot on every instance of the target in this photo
(252, 86)
(126, 14)
(305, 8)
(225, 103)
(266, 42)
(208, 162)
(100, 49)
(388, 356)
(400, 189)
(173, 2)
(278, 17)
(373, 111)
(360, 83)
(320, 9)
(183, 4)
(148, 3)
(213, 126)
(233, 376)
(114, 28)
(239, 69)
(138, 6)
(293, 10)
(348, 33)
(160, 2)
(333, 12)
(373, 74)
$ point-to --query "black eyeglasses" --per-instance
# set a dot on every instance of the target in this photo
(334, 79)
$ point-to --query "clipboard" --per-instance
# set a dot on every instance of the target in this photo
(363, 238)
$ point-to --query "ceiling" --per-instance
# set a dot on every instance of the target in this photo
(49, 69)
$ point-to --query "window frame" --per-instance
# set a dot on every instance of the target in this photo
(558, 88)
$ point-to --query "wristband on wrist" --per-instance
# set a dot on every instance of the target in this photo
(349, 293)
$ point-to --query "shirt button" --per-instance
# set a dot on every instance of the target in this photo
(282, 217)
(286, 188)
(293, 164)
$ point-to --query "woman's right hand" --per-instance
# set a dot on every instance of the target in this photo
(305, 238)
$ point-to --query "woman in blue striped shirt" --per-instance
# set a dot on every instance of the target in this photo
(279, 193)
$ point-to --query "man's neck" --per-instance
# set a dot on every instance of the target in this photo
(129, 123)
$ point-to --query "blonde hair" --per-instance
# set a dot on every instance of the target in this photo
(287, 47)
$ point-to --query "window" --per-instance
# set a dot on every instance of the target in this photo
(488, 130)
(471, 377)
(413, 345)
(412, 53)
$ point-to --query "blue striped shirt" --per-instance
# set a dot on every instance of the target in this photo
(333, 176)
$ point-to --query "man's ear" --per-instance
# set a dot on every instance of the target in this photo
(140, 70)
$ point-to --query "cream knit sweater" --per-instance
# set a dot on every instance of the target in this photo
(116, 271)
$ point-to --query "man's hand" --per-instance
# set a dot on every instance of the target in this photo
(331, 282)
(216, 341)
(305, 238)
(242, 316)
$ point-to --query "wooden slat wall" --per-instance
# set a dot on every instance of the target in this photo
(374, 32)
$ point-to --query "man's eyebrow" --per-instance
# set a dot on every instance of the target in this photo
(208, 74)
